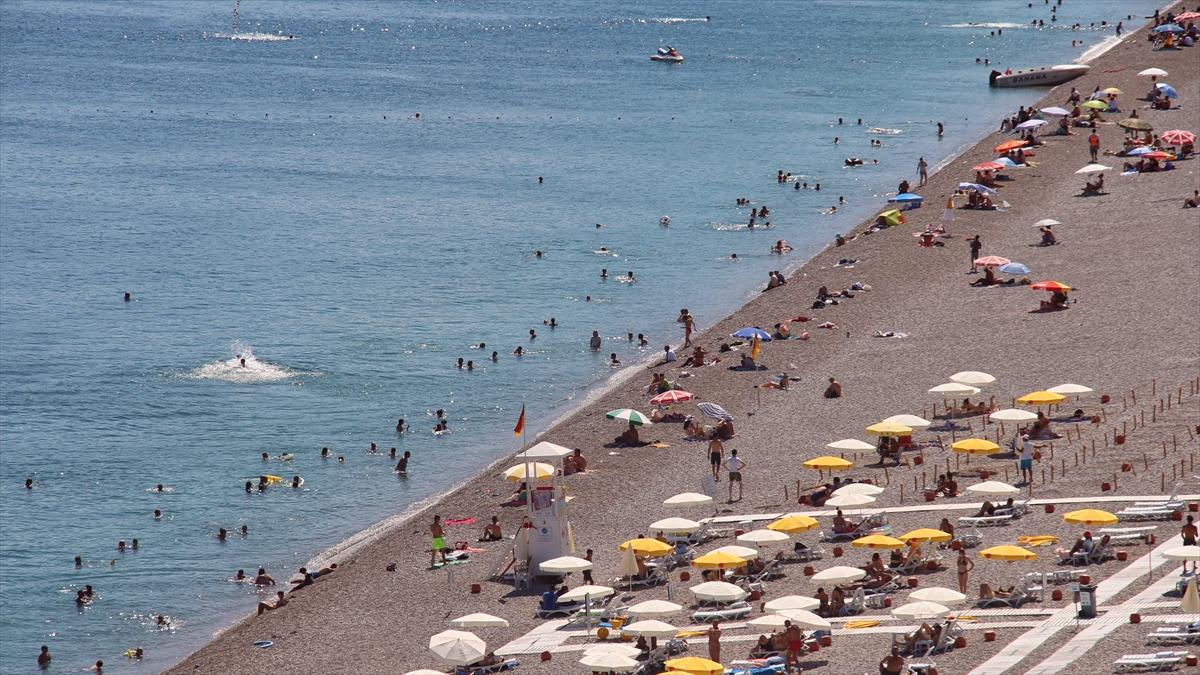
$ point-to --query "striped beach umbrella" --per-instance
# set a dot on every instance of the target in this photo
(714, 411)
(1177, 137)
(629, 415)
(991, 261)
(672, 397)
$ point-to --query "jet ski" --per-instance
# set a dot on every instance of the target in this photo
(667, 55)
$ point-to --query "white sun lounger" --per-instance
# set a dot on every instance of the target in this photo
(1174, 635)
(1131, 663)
(736, 610)
(1151, 513)
(985, 521)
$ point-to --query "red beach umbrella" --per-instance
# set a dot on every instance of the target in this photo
(672, 397)
(1051, 286)
(1011, 145)
(988, 166)
(1177, 137)
(1158, 155)
(992, 261)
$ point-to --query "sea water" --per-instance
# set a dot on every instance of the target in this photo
(279, 200)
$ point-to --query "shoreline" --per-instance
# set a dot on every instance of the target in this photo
(578, 413)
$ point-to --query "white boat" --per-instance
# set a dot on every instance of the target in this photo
(667, 55)
(1046, 76)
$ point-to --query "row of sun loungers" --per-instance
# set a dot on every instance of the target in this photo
(1134, 663)
(1175, 635)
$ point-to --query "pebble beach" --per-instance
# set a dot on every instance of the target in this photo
(1132, 335)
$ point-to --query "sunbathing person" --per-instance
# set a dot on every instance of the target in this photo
(986, 592)
(820, 496)
(837, 602)
(1083, 544)
(629, 438)
(841, 524)
(1094, 187)
(697, 358)
(922, 634)
(988, 278)
(986, 510)
(762, 648)
(823, 602)
(491, 532)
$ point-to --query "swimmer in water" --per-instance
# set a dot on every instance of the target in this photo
(121, 546)
(265, 457)
(470, 366)
(222, 535)
(587, 298)
(613, 360)
(162, 621)
(295, 483)
(631, 277)
(157, 514)
(537, 254)
(240, 576)
(28, 483)
(402, 465)
(341, 459)
(134, 544)
(243, 362)
(553, 323)
(459, 365)
(642, 340)
(519, 351)
(128, 296)
(399, 429)
(733, 256)
(374, 450)
(249, 487)
(78, 561)
(532, 335)
(604, 273)
(325, 451)
(495, 357)
(244, 530)
(392, 453)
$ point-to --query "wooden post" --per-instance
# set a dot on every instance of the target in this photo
(885, 474)
(1143, 418)
(786, 498)
(1162, 482)
(1006, 474)
(1145, 461)
(1123, 432)
(1051, 473)
(1043, 476)
(902, 493)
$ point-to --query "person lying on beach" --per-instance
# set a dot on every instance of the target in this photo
(697, 358)
(280, 601)
(924, 633)
(697, 431)
(986, 510)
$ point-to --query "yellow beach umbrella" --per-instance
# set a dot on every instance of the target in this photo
(1007, 552)
(793, 524)
(975, 446)
(694, 666)
(926, 534)
(1041, 398)
(828, 463)
(1113, 90)
(877, 541)
(1090, 517)
(523, 472)
(889, 429)
(718, 560)
(648, 547)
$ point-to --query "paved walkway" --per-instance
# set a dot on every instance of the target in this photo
(1014, 652)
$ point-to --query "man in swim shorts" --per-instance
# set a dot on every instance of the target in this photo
(439, 541)
(716, 455)
(795, 645)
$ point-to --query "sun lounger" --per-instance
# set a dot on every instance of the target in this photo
(985, 521)
(1146, 513)
(806, 554)
(654, 576)
(1017, 598)
(561, 609)
(1174, 635)
(1131, 663)
(873, 524)
(507, 664)
(736, 610)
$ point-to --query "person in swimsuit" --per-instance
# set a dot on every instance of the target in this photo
(964, 566)
(714, 642)
(716, 455)
(1188, 532)
(439, 541)
(795, 645)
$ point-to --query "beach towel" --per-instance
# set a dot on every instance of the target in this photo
(460, 521)
(861, 623)
(1037, 540)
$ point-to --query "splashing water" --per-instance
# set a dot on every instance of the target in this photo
(243, 368)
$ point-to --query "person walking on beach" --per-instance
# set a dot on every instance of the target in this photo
(714, 641)
(587, 574)
(964, 565)
(1189, 532)
(439, 541)
(689, 325)
(923, 170)
(1094, 145)
(716, 455)
(735, 466)
(1026, 462)
(976, 247)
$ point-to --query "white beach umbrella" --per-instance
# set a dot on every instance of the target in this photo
(590, 591)
(762, 537)
(1031, 124)
(628, 566)
(458, 648)
(839, 575)
(1183, 553)
(651, 628)
(1190, 602)
(1153, 72)
(1056, 111)
(770, 621)
(992, 487)
(1093, 168)
(1046, 222)
(843, 500)
(850, 444)
(868, 489)
(743, 552)
(688, 499)
(954, 388)
(938, 594)
(805, 619)
(792, 602)
(674, 525)
(1065, 389)
(565, 565)
(909, 421)
(718, 591)
(612, 648)
(920, 610)
(1013, 415)
(479, 620)
(653, 609)
(609, 663)
(973, 378)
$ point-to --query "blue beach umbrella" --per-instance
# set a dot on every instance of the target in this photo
(1139, 151)
(905, 197)
(1167, 90)
(1014, 268)
(1005, 161)
(751, 332)
(976, 187)
(1168, 28)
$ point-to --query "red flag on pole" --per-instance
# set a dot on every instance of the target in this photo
(520, 428)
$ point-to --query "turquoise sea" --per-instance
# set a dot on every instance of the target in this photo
(280, 200)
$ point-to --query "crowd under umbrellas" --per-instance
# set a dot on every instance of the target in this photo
(623, 630)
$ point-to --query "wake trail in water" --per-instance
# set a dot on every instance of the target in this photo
(253, 37)
(243, 368)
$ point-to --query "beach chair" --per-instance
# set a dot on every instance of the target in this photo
(507, 664)
(654, 576)
(1034, 585)
(1142, 532)
(549, 610)
(985, 521)
(1133, 663)
(805, 554)
(875, 523)
(679, 558)
(1017, 598)
(729, 612)
(1175, 635)
(1146, 513)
